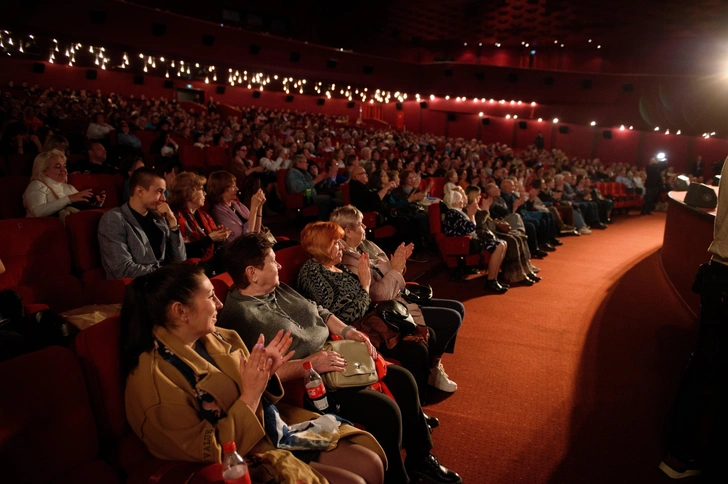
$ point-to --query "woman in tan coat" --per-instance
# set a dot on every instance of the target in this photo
(192, 387)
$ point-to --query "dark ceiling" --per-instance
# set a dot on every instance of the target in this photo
(368, 26)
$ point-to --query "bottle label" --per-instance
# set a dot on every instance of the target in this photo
(316, 392)
(236, 475)
(321, 404)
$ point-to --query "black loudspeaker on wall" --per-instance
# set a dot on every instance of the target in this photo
(548, 81)
(256, 94)
(452, 117)
(208, 40)
(399, 106)
(607, 134)
(289, 99)
(220, 90)
(350, 104)
(485, 121)
(701, 195)
(628, 87)
(563, 129)
(38, 68)
(586, 84)
(480, 76)
(98, 17)
(368, 69)
(254, 49)
(448, 72)
(332, 63)
(91, 74)
(320, 101)
(513, 77)
(295, 57)
(423, 104)
(169, 84)
(139, 80)
(523, 125)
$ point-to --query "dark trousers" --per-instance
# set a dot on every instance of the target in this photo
(651, 195)
(532, 234)
(550, 227)
(542, 226)
(395, 425)
(590, 212)
(445, 316)
(415, 358)
(701, 399)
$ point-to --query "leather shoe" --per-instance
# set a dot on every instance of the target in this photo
(547, 247)
(539, 254)
(432, 422)
(495, 286)
(527, 281)
(599, 226)
(431, 471)
(556, 242)
(534, 277)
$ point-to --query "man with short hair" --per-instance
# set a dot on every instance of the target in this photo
(141, 235)
(299, 180)
(96, 162)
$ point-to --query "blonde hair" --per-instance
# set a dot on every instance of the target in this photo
(318, 238)
(182, 188)
(450, 197)
(347, 217)
(43, 161)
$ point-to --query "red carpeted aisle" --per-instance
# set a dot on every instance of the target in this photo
(571, 380)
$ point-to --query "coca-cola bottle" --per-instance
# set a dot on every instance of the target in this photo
(315, 388)
(234, 469)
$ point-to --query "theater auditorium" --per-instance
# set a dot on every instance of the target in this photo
(363, 242)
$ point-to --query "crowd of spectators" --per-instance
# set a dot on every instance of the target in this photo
(514, 205)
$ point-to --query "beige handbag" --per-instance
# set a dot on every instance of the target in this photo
(360, 369)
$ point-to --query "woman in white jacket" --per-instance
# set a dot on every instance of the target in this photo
(49, 194)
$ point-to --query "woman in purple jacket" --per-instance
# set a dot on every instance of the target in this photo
(228, 211)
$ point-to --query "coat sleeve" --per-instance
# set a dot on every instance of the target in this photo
(115, 254)
(388, 287)
(176, 246)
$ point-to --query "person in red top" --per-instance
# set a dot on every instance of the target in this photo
(201, 235)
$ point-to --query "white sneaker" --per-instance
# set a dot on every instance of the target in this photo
(438, 379)
(585, 231)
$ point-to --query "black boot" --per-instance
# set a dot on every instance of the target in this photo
(494, 285)
(431, 471)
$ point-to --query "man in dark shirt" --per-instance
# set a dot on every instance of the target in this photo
(362, 197)
(141, 235)
(653, 184)
(96, 162)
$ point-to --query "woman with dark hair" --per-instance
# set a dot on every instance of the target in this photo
(260, 303)
(191, 387)
(203, 238)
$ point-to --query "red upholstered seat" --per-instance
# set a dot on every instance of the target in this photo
(216, 158)
(291, 259)
(48, 433)
(222, 284)
(36, 256)
(294, 201)
(11, 196)
(454, 250)
(98, 350)
(373, 231)
(82, 229)
(438, 186)
(146, 138)
(192, 158)
(97, 183)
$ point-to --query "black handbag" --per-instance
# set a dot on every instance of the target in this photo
(417, 293)
(396, 316)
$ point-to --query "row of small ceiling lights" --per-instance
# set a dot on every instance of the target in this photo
(258, 80)
(527, 44)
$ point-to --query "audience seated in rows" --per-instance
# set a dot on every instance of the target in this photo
(260, 304)
(300, 181)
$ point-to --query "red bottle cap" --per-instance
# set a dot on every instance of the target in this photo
(307, 365)
(229, 447)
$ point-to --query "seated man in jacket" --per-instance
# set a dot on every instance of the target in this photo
(299, 180)
(141, 235)
(364, 198)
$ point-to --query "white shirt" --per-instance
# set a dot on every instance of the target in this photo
(98, 131)
(270, 165)
(39, 201)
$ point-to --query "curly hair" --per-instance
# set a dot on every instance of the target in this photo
(182, 188)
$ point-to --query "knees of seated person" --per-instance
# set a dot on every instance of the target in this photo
(362, 465)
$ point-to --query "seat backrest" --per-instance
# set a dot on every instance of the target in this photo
(191, 156)
(216, 157)
(45, 411)
(438, 187)
(11, 196)
(290, 200)
(146, 137)
(36, 256)
(98, 183)
(222, 284)
(82, 229)
(433, 211)
(20, 165)
(98, 350)
(291, 260)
